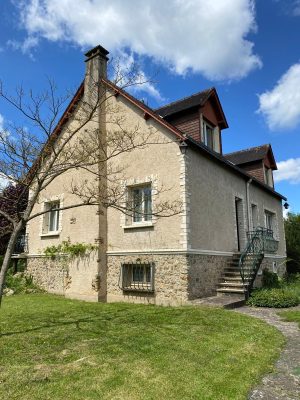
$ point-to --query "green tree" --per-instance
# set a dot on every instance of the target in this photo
(292, 234)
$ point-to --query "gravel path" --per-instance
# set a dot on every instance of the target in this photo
(284, 383)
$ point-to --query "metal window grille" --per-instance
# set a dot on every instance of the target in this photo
(138, 276)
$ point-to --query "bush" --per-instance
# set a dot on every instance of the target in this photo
(21, 283)
(277, 298)
(270, 279)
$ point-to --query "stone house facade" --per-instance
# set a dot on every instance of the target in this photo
(141, 257)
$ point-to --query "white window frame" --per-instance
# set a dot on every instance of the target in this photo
(53, 216)
(142, 216)
(45, 219)
(205, 137)
(254, 216)
(270, 220)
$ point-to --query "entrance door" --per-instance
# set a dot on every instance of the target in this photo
(240, 228)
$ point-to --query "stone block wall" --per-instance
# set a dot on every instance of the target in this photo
(267, 263)
(77, 278)
(47, 273)
(204, 274)
(170, 279)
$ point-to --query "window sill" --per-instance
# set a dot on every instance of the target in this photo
(136, 289)
(137, 225)
(48, 234)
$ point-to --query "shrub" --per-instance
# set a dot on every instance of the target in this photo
(270, 279)
(21, 283)
(277, 298)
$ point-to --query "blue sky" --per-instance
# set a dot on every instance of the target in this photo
(249, 50)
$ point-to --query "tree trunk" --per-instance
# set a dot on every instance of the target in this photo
(7, 257)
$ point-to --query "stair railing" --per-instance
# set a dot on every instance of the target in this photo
(260, 240)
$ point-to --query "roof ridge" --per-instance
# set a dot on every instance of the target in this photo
(184, 98)
(248, 149)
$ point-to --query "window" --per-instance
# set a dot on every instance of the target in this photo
(208, 135)
(254, 216)
(141, 199)
(51, 218)
(269, 220)
(268, 176)
(138, 277)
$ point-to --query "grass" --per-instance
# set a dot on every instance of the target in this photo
(291, 316)
(55, 348)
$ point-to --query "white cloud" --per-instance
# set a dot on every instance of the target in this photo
(127, 70)
(1, 123)
(286, 212)
(288, 170)
(281, 105)
(26, 46)
(296, 8)
(3, 179)
(203, 36)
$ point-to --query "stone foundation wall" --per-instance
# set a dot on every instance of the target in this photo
(279, 268)
(204, 274)
(170, 280)
(77, 279)
(49, 274)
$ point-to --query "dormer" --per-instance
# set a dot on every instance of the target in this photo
(199, 116)
(257, 161)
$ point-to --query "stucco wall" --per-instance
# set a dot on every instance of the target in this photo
(159, 164)
(212, 190)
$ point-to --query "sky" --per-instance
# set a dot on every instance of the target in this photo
(249, 50)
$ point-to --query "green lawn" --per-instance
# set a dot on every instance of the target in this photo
(291, 316)
(54, 348)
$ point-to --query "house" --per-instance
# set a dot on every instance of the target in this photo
(229, 204)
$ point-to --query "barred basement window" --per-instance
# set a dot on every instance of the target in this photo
(138, 277)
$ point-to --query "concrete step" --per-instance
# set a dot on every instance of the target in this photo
(238, 285)
(231, 291)
(224, 301)
(233, 279)
(232, 269)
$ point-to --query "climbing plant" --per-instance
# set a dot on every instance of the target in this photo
(67, 248)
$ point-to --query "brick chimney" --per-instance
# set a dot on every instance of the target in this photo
(96, 67)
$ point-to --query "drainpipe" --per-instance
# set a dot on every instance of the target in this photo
(248, 203)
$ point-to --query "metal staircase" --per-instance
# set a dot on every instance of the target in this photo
(240, 274)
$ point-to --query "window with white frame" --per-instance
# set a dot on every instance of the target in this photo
(268, 176)
(51, 217)
(254, 216)
(140, 198)
(208, 135)
(269, 220)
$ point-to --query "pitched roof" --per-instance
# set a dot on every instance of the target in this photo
(251, 155)
(197, 99)
(149, 113)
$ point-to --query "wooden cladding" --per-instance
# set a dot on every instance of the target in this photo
(188, 124)
(255, 169)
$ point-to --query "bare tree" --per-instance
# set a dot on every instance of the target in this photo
(52, 142)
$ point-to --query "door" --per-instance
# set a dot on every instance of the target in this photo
(240, 227)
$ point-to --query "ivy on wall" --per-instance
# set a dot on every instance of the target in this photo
(67, 248)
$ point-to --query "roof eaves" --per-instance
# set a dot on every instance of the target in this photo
(205, 93)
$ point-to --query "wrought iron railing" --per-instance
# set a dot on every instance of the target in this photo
(21, 245)
(260, 241)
